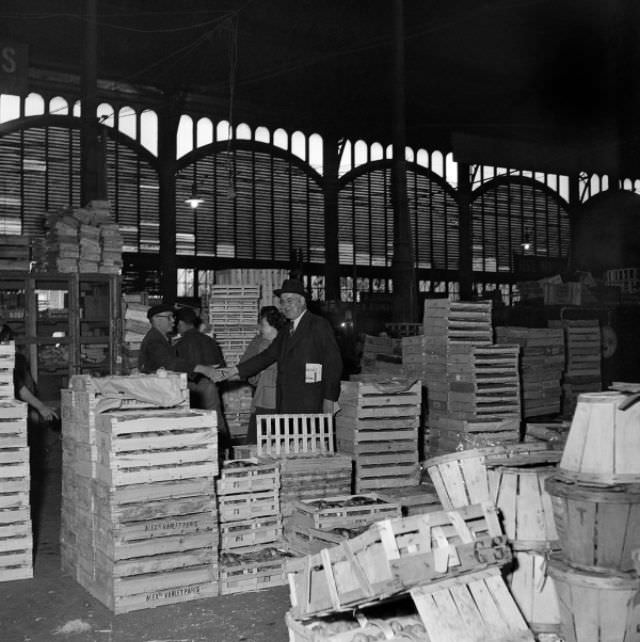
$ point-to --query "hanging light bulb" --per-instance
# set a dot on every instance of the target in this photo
(526, 244)
(195, 199)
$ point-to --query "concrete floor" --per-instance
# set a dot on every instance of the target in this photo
(39, 609)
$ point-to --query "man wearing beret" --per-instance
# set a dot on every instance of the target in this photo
(308, 357)
(156, 351)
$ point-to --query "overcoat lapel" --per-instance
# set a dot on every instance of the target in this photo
(294, 339)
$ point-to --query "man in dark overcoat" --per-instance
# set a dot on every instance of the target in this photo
(308, 357)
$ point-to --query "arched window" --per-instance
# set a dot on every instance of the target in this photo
(34, 105)
(149, 130)
(184, 136)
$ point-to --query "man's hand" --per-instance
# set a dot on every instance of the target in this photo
(214, 373)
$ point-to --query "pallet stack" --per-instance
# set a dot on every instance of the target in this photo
(16, 543)
(479, 403)
(377, 425)
(595, 495)
(233, 316)
(447, 562)
(15, 252)
(252, 555)
(266, 280)
(139, 514)
(320, 523)
(541, 366)
(583, 359)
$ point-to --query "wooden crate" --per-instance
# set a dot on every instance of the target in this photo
(395, 555)
(150, 590)
(243, 506)
(153, 446)
(307, 541)
(292, 434)
(247, 476)
(343, 511)
(476, 606)
(253, 571)
(248, 534)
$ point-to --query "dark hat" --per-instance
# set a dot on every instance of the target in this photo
(187, 314)
(158, 309)
(293, 286)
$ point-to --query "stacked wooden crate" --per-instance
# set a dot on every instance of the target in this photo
(377, 425)
(473, 386)
(266, 280)
(448, 562)
(320, 523)
(139, 514)
(303, 445)
(583, 354)
(83, 239)
(16, 543)
(15, 252)
(135, 327)
(233, 316)
(251, 552)
(541, 366)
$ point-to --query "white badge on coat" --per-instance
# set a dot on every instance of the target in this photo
(312, 372)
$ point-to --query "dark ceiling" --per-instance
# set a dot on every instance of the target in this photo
(561, 71)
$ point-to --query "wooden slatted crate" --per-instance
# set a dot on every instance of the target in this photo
(253, 571)
(395, 555)
(248, 475)
(293, 434)
(343, 511)
(474, 607)
(249, 535)
(378, 425)
(156, 445)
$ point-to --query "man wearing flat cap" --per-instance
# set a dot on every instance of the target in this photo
(308, 357)
(156, 351)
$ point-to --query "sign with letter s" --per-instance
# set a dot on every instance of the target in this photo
(14, 67)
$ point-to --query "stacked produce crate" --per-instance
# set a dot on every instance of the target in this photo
(16, 543)
(377, 424)
(596, 505)
(139, 514)
(583, 356)
(136, 325)
(233, 316)
(303, 445)
(15, 252)
(320, 523)
(433, 576)
(251, 549)
(84, 239)
(541, 366)
(473, 386)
